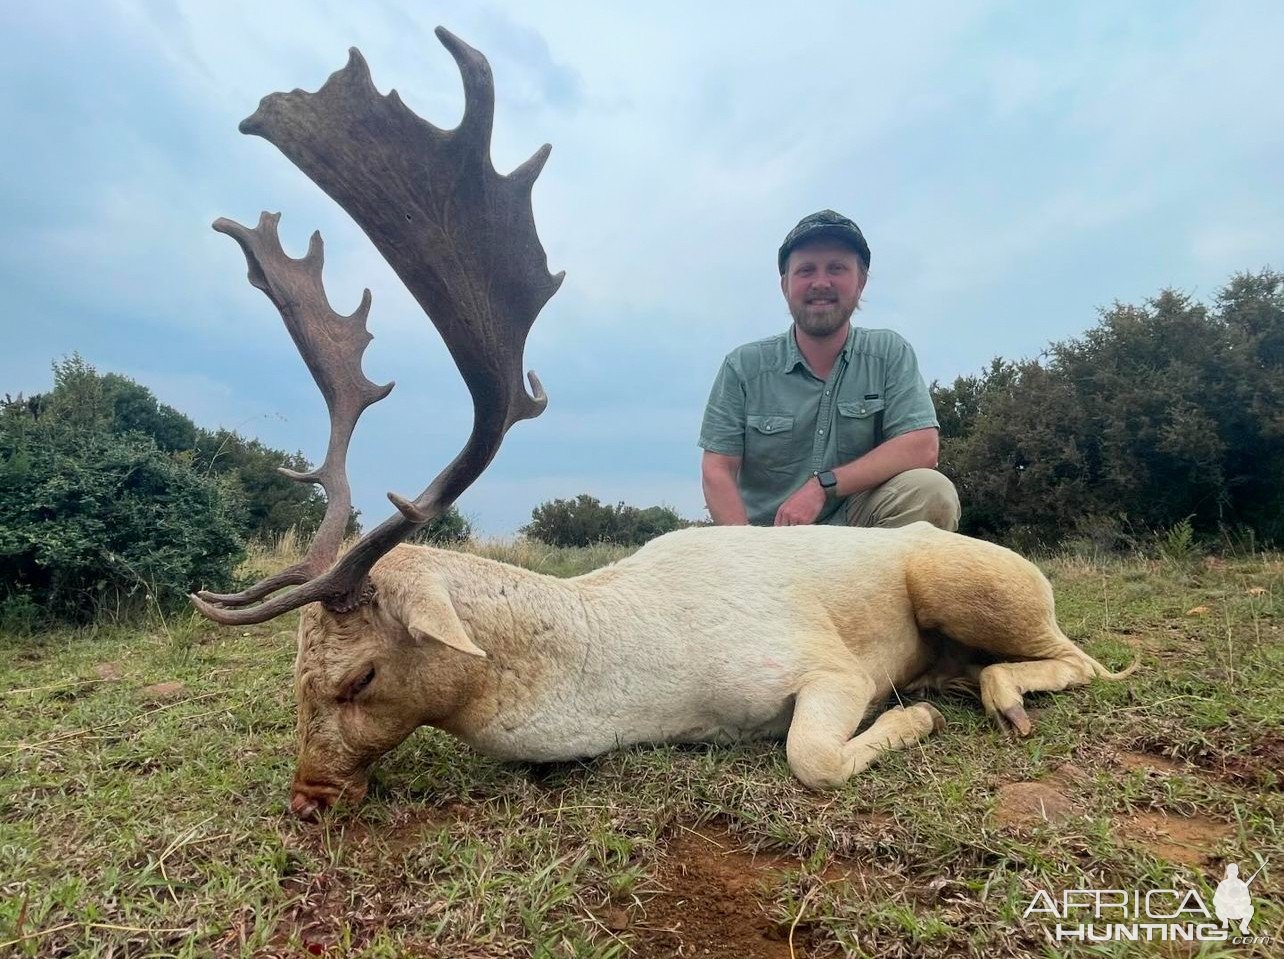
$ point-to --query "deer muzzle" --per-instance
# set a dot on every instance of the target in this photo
(309, 799)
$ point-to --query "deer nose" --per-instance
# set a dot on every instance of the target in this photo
(308, 800)
(308, 807)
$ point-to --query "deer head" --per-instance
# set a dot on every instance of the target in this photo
(462, 238)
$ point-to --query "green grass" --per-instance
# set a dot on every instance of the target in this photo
(143, 826)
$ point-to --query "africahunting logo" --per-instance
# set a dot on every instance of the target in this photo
(1151, 915)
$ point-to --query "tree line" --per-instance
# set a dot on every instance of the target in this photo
(1163, 414)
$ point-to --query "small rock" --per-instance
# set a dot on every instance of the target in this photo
(1069, 773)
(165, 690)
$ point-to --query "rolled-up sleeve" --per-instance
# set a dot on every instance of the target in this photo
(723, 429)
(908, 403)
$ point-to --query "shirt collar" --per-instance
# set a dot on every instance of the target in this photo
(793, 357)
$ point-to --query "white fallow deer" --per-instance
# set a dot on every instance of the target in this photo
(703, 634)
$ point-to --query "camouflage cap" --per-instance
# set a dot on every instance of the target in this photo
(824, 225)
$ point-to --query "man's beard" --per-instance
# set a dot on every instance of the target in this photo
(821, 323)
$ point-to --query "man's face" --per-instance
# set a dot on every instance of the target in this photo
(822, 284)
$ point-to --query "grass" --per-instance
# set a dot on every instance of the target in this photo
(153, 822)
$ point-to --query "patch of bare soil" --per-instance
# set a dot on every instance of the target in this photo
(1169, 641)
(1149, 763)
(318, 912)
(1189, 841)
(321, 910)
(1030, 803)
(160, 692)
(408, 826)
(711, 902)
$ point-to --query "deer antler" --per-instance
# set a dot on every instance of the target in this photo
(331, 345)
(462, 239)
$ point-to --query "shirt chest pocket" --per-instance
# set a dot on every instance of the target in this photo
(771, 441)
(857, 425)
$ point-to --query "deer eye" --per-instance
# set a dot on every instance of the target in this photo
(356, 687)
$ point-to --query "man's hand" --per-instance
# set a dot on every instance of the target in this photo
(803, 505)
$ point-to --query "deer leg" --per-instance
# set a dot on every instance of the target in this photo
(1002, 685)
(822, 752)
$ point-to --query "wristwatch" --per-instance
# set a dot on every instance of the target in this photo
(828, 482)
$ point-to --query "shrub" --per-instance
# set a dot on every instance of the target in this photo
(274, 503)
(450, 528)
(92, 522)
(584, 521)
(1177, 544)
(1163, 414)
(85, 399)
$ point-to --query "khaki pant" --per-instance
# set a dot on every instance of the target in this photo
(908, 497)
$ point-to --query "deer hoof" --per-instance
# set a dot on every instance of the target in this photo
(938, 721)
(1019, 721)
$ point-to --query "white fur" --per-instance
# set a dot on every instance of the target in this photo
(704, 634)
(682, 642)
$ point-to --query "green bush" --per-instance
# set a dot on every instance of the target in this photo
(109, 403)
(450, 528)
(273, 503)
(584, 521)
(94, 522)
(1162, 412)
(1177, 545)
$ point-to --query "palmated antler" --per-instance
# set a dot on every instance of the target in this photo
(332, 346)
(462, 239)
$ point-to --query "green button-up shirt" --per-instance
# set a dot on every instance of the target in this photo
(784, 422)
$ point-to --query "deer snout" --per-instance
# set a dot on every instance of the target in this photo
(308, 808)
(308, 800)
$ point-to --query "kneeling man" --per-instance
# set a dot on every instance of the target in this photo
(826, 422)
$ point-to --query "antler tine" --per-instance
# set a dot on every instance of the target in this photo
(291, 576)
(479, 92)
(331, 345)
(462, 239)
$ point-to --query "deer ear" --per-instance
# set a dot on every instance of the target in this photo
(433, 617)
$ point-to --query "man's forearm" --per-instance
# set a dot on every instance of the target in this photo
(722, 496)
(914, 450)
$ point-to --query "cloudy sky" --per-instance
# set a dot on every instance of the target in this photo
(1015, 166)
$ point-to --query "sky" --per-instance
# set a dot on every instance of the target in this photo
(1016, 168)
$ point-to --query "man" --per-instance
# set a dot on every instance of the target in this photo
(826, 422)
